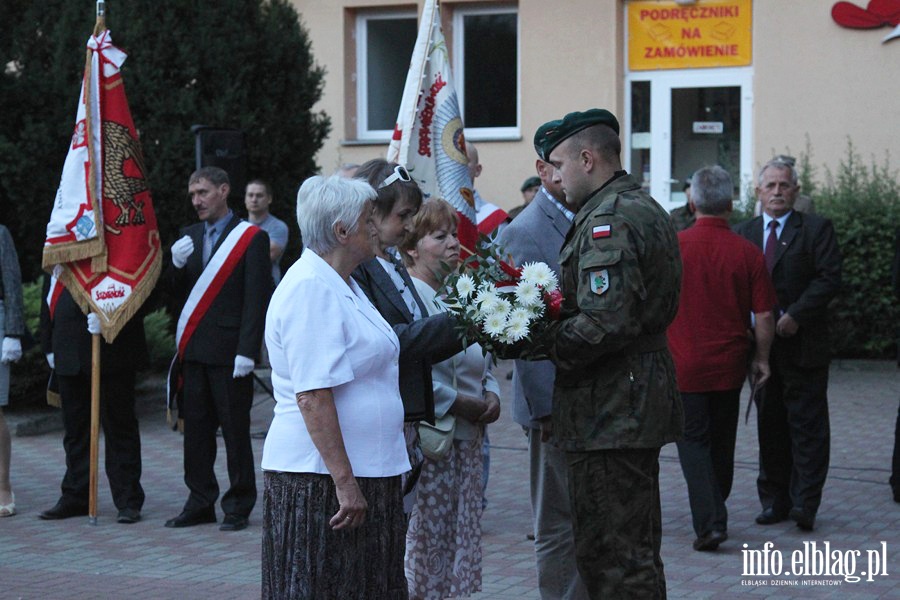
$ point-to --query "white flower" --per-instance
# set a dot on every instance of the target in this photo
(521, 315)
(516, 330)
(465, 286)
(527, 294)
(487, 299)
(494, 324)
(538, 273)
(503, 306)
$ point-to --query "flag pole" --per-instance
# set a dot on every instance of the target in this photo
(95, 425)
(99, 26)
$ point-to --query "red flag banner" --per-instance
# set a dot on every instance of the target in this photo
(428, 138)
(102, 238)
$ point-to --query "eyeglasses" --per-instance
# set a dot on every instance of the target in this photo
(400, 174)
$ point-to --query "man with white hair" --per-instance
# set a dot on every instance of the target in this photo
(723, 282)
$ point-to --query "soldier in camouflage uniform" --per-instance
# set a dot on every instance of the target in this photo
(683, 217)
(615, 400)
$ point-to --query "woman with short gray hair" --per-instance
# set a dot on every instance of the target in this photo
(333, 523)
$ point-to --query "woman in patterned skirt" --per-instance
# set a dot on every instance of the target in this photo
(443, 541)
(333, 522)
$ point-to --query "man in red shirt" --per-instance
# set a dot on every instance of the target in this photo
(724, 281)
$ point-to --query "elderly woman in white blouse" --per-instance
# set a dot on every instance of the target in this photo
(443, 542)
(333, 522)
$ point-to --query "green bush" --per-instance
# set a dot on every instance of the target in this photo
(160, 340)
(28, 376)
(863, 202)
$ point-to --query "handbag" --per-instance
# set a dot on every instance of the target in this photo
(436, 440)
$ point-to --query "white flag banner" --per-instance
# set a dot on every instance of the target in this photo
(428, 138)
(74, 227)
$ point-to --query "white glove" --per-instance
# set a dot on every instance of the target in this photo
(50, 361)
(181, 250)
(12, 350)
(242, 366)
(93, 321)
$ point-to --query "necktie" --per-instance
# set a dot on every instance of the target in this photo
(208, 245)
(771, 244)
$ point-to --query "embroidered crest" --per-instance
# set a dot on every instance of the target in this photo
(599, 281)
(601, 231)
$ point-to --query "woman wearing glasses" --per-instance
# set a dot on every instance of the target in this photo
(424, 340)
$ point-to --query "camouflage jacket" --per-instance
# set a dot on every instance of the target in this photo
(682, 217)
(621, 276)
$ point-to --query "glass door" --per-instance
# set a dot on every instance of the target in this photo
(679, 121)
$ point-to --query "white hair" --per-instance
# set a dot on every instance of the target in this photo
(712, 190)
(323, 202)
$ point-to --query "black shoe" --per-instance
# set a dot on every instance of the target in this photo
(710, 541)
(194, 517)
(234, 523)
(896, 494)
(769, 517)
(63, 510)
(128, 516)
(803, 519)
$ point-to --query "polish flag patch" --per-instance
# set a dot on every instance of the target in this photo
(602, 231)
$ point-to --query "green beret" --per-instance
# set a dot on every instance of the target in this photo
(553, 133)
(531, 182)
(540, 136)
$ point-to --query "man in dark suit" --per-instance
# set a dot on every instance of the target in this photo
(537, 235)
(222, 279)
(794, 434)
(66, 342)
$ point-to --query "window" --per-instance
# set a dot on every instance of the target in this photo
(485, 59)
(384, 44)
(486, 70)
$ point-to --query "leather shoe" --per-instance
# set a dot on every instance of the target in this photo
(802, 518)
(234, 523)
(63, 510)
(193, 517)
(128, 516)
(710, 541)
(769, 517)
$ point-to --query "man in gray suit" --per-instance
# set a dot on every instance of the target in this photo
(537, 234)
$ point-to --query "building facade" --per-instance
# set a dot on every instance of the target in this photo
(730, 82)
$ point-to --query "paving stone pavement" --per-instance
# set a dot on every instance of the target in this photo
(72, 559)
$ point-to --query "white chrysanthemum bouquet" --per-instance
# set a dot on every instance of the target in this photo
(499, 303)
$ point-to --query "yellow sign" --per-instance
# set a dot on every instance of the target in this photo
(709, 33)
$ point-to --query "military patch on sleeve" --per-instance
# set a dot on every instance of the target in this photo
(599, 281)
(601, 231)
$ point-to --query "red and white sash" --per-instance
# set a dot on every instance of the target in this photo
(56, 290)
(217, 271)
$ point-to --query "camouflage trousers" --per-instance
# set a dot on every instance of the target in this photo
(618, 522)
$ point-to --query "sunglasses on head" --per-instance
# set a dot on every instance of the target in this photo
(399, 174)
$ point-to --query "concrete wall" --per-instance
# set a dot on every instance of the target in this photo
(813, 77)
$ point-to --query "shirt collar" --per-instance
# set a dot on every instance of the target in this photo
(781, 220)
(562, 207)
(219, 225)
(712, 222)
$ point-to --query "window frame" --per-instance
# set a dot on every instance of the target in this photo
(363, 133)
(460, 12)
